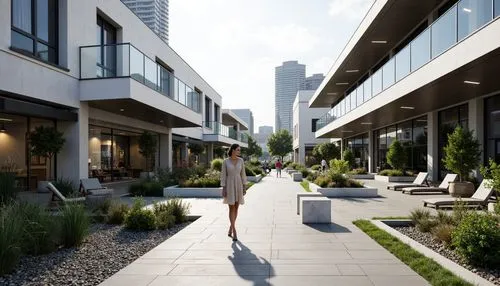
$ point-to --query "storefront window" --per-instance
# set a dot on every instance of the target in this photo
(492, 108)
(449, 119)
(13, 149)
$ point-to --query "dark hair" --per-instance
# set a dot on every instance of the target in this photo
(233, 147)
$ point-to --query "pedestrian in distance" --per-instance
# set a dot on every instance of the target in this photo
(278, 166)
(323, 165)
(233, 181)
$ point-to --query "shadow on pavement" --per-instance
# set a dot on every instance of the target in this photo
(328, 227)
(242, 255)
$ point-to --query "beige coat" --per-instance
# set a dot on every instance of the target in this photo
(234, 178)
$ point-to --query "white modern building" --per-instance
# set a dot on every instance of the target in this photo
(289, 78)
(313, 82)
(412, 71)
(152, 12)
(247, 116)
(304, 127)
(93, 70)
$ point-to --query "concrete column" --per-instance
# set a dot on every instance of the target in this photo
(302, 154)
(371, 143)
(210, 152)
(476, 123)
(73, 160)
(341, 148)
(166, 150)
(185, 154)
(432, 145)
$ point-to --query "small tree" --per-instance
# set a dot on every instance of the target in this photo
(462, 153)
(327, 151)
(492, 172)
(196, 149)
(253, 149)
(396, 156)
(219, 152)
(349, 157)
(46, 142)
(280, 143)
(147, 148)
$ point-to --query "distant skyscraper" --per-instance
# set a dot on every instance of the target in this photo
(262, 136)
(247, 116)
(289, 78)
(152, 12)
(313, 82)
(267, 130)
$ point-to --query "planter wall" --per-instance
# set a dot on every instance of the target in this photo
(363, 177)
(175, 191)
(365, 192)
(388, 179)
(254, 179)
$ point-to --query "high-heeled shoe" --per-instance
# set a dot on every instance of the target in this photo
(229, 233)
(235, 237)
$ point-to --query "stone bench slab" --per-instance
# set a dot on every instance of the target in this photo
(304, 195)
(316, 210)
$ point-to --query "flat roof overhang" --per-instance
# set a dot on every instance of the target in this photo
(387, 20)
(222, 140)
(127, 97)
(445, 91)
(36, 109)
(230, 118)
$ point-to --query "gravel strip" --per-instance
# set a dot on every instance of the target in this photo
(106, 250)
(492, 275)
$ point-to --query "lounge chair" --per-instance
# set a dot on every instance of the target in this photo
(443, 187)
(92, 186)
(479, 198)
(56, 195)
(420, 181)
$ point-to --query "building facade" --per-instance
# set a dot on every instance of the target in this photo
(435, 70)
(313, 82)
(304, 127)
(95, 72)
(289, 78)
(261, 139)
(152, 12)
(247, 116)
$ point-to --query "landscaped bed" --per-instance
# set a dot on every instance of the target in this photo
(104, 252)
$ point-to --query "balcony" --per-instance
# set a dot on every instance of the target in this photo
(459, 22)
(217, 132)
(121, 72)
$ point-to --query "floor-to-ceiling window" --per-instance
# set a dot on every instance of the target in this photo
(412, 135)
(449, 119)
(106, 55)
(492, 128)
(359, 147)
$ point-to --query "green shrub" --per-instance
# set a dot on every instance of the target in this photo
(249, 172)
(146, 188)
(335, 180)
(477, 239)
(312, 176)
(322, 181)
(417, 214)
(139, 218)
(316, 167)
(443, 232)
(349, 157)
(444, 218)
(179, 209)
(210, 180)
(66, 187)
(339, 166)
(496, 208)
(39, 230)
(426, 224)
(165, 220)
(396, 156)
(166, 177)
(117, 213)
(391, 173)
(359, 171)
(304, 171)
(75, 224)
(11, 229)
(287, 164)
(254, 163)
(8, 191)
(460, 211)
(217, 164)
(462, 152)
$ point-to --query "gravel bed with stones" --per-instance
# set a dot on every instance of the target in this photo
(105, 251)
(492, 275)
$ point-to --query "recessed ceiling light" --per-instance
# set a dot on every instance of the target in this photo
(366, 123)
(351, 71)
(379, 42)
(472, 82)
(407, 107)
(331, 93)
(121, 109)
(161, 121)
(342, 83)
(467, 10)
(6, 119)
(347, 131)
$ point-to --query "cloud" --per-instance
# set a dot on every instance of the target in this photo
(352, 9)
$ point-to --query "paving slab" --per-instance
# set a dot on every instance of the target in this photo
(274, 247)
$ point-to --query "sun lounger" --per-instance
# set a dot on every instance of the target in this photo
(56, 195)
(479, 198)
(420, 181)
(92, 186)
(443, 187)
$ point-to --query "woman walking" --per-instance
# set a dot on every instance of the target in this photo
(233, 181)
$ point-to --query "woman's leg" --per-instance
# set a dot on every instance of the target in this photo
(235, 215)
(231, 220)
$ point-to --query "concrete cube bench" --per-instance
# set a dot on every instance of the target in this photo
(303, 195)
(297, 177)
(316, 210)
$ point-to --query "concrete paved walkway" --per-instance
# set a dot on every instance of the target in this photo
(275, 248)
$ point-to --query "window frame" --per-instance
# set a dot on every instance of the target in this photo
(33, 35)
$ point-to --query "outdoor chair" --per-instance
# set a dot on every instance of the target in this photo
(57, 196)
(92, 186)
(443, 187)
(420, 181)
(479, 198)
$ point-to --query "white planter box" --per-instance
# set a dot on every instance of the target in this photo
(363, 177)
(297, 177)
(491, 207)
(254, 179)
(365, 192)
(175, 191)
(388, 179)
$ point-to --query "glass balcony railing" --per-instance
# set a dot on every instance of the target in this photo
(217, 128)
(461, 20)
(124, 60)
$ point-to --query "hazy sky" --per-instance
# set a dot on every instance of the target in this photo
(235, 45)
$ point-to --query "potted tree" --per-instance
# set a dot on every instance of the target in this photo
(396, 157)
(492, 172)
(46, 142)
(147, 148)
(461, 156)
